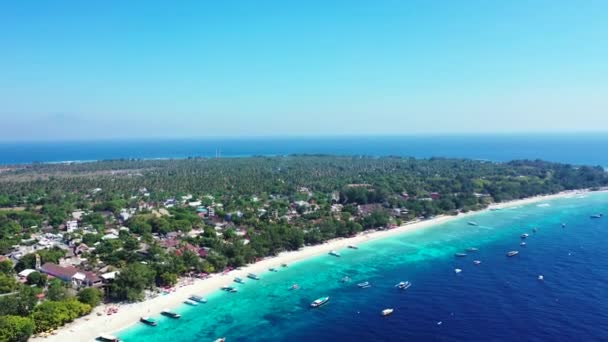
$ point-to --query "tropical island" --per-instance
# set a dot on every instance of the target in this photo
(74, 235)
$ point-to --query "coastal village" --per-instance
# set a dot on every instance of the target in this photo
(79, 268)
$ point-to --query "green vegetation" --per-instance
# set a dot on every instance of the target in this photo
(15, 328)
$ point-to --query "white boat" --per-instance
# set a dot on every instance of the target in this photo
(198, 299)
(472, 223)
(477, 262)
(522, 243)
(108, 338)
(403, 285)
(472, 249)
(191, 302)
(457, 270)
(318, 302)
(334, 253)
(253, 276)
(540, 277)
(387, 312)
(345, 279)
(525, 235)
(512, 253)
(364, 285)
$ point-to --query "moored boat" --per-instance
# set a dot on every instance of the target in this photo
(318, 302)
(148, 321)
(170, 314)
(228, 288)
(460, 255)
(364, 284)
(253, 276)
(221, 339)
(345, 279)
(473, 223)
(472, 249)
(477, 262)
(353, 247)
(283, 265)
(294, 287)
(198, 299)
(596, 216)
(403, 285)
(191, 302)
(108, 338)
(272, 269)
(334, 253)
(387, 312)
(512, 253)
(524, 235)
(239, 280)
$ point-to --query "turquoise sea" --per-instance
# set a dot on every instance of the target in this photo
(499, 300)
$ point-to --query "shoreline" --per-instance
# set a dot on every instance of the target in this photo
(89, 327)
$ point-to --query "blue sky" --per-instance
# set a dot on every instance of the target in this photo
(116, 69)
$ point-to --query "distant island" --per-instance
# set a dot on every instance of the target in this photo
(75, 234)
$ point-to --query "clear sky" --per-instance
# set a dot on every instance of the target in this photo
(110, 69)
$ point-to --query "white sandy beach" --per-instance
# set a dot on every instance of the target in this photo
(89, 327)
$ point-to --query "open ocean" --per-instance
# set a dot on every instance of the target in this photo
(499, 300)
(567, 148)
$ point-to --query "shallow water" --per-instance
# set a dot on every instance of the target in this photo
(500, 299)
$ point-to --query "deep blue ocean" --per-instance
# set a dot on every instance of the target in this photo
(567, 148)
(501, 299)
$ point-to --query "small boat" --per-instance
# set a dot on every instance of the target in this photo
(387, 312)
(353, 247)
(108, 338)
(283, 265)
(472, 249)
(170, 314)
(233, 290)
(540, 277)
(460, 255)
(318, 302)
(512, 253)
(239, 280)
(221, 339)
(525, 235)
(334, 253)
(472, 223)
(477, 262)
(198, 299)
(457, 270)
(294, 287)
(522, 243)
(190, 302)
(345, 279)
(253, 276)
(364, 285)
(272, 269)
(148, 321)
(229, 289)
(597, 216)
(403, 285)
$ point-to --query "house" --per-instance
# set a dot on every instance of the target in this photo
(71, 275)
(82, 248)
(366, 209)
(71, 226)
(435, 195)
